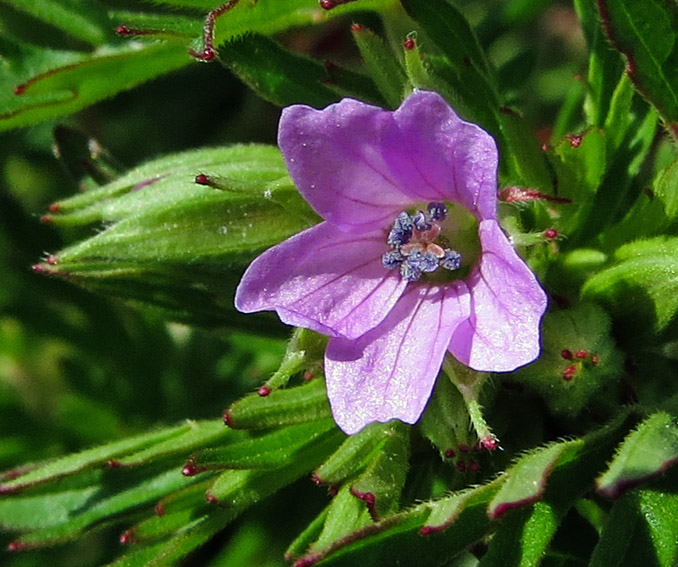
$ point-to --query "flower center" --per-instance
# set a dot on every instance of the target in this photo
(419, 244)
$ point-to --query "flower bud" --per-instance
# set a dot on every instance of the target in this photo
(579, 359)
(179, 244)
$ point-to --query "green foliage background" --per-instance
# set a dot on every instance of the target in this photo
(136, 333)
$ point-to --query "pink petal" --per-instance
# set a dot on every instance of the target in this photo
(389, 372)
(325, 280)
(437, 156)
(336, 159)
(507, 303)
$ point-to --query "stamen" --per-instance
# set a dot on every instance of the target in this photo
(437, 211)
(392, 259)
(402, 230)
(420, 221)
(414, 250)
(451, 260)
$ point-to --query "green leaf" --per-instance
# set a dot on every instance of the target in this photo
(646, 33)
(523, 538)
(86, 80)
(466, 80)
(526, 480)
(638, 289)
(640, 530)
(276, 74)
(87, 22)
(580, 170)
(90, 458)
(605, 66)
(646, 453)
(272, 16)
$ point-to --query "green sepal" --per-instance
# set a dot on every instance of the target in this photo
(646, 453)
(300, 404)
(381, 484)
(311, 533)
(638, 289)
(445, 422)
(199, 434)
(242, 488)
(353, 455)
(233, 171)
(343, 516)
(305, 351)
(275, 449)
(449, 29)
(168, 524)
(382, 65)
(579, 359)
(168, 553)
(88, 163)
(580, 163)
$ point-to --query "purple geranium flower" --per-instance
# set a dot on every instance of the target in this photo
(409, 263)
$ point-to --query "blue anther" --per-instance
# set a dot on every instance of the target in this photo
(437, 211)
(392, 259)
(410, 272)
(418, 263)
(402, 230)
(421, 222)
(451, 260)
(424, 261)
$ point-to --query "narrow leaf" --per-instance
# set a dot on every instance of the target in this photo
(646, 453)
(88, 23)
(276, 74)
(646, 33)
(70, 88)
(90, 458)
